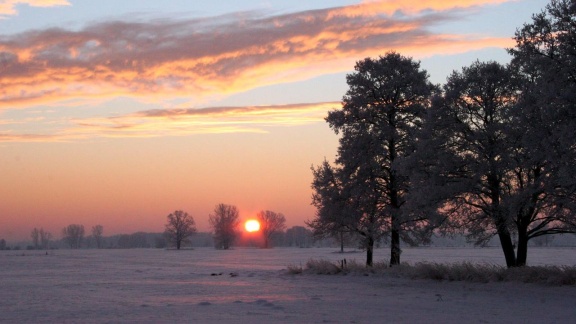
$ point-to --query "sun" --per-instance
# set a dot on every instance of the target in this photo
(252, 225)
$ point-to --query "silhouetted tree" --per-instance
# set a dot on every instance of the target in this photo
(298, 236)
(179, 227)
(2, 244)
(224, 221)
(381, 112)
(73, 235)
(97, 234)
(270, 223)
(35, 238)
(45, 238)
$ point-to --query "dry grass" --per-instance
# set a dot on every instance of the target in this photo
(465, 271)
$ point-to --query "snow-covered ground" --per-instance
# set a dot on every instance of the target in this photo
(160, 286)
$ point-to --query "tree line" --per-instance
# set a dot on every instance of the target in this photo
(225, 224)
(180, 226)
(492, 152)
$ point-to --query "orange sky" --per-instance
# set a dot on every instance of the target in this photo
(120, 114)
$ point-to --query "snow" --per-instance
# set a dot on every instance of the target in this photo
(195, 286)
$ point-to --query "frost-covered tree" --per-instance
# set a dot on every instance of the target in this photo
(380, 113)
(97, 234)
(224, 221)
(332, 209)
(545, 54)
(73, 235)
(488, 177)
(270, 223)
(179, 227)
(470, 151)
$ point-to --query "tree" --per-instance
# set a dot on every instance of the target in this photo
(35, 238)
(73, 234)
(381, 112)
(545, 56)
(179, 227)
(493, 181)
(270, 223)
(298, 236)
(45, 238)
(97, 234)
(2, 244)
(224, 222)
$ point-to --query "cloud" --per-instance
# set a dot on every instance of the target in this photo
(196, 58)
(180, 122)
(8, 7)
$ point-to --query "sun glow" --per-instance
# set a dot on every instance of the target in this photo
(252, 225)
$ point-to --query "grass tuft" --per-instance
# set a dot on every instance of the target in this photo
(463, 271)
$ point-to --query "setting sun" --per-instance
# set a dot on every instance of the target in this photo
(252, 225)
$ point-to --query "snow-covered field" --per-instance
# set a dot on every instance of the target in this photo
(164, 286)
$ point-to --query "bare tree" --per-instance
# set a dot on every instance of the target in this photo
(45, 238)
(97, 232)
(270, 223)
(179, 227)
(225, 222)
(35, 238)
(298, 236)
(73, 234)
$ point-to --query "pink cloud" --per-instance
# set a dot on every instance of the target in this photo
(180, 122)
(221, 55)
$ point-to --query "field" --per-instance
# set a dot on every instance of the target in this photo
(253, 286)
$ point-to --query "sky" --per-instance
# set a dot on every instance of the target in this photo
(117, 113)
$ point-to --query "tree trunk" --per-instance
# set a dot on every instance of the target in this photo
(507, 248)
(369, 252)
(395, 248)
(178, 244)
(341, 241)
(522, 253)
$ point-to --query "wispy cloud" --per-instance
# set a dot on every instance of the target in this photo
(179, 122)
(218, 55)
(8, 7)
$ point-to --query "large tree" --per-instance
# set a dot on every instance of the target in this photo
(545, 55)
(179, 227)
(380, 113)
(270, 223)
(491, 180)
(224, 221)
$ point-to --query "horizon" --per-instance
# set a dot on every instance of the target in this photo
(119, 114)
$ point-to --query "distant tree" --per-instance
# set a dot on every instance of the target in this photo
(179, 227)
(298, 236)
(381, 112)
(224, 222)
(2, 244)
(270, 223)
(73, 235)
(35, 238)
(132, 241)
(45, 238)
(97, 234)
